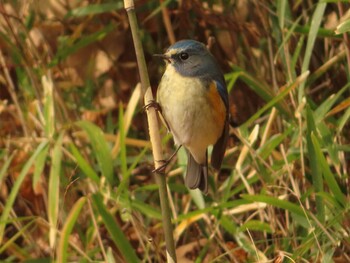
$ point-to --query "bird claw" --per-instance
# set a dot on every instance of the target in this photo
(153, 104)
(161, 169)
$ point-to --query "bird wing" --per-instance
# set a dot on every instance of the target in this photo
(220, 146)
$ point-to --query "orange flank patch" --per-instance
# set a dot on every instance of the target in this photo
(218, 105)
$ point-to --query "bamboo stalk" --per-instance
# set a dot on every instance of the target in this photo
(153, 132)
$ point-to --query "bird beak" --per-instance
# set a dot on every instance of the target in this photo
(163, 56)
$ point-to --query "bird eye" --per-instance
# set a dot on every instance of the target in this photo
(184, 55)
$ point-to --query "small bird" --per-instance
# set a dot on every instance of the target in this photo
(194, 103)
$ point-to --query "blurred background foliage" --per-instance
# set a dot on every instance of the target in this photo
(76, 178)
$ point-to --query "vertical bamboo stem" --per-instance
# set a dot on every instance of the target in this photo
(153, 132)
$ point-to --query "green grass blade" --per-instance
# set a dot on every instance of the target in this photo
(316, 173)
(265, 150)
(110, 256)
(156, 10)
(228, 224)
(286, 38)
(281, 10)
(273, 102)
(256, 226)
(231, 78)
(257, 86)
(100, 149)
(314, 27)
(122, 152)
(124, 183)
(5, 166)
(326, 67)
(324, 108)
(116, 233)
(321, 32)
(328, 175)
(327, 135)
(62, 253)
(39, 165)
(54, 189)
(137, 160)
(15, 188)
(11, 241)
(146, 209)
(30, 20)
(69, 46)
(343, 121)
(343, 27)
(83, 165)
(296, 54)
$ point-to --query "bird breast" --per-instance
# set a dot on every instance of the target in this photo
(194, 112)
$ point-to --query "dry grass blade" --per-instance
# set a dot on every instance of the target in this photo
(282, 191)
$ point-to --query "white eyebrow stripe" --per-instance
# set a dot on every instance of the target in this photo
(173, 52)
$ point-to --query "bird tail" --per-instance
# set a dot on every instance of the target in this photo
(197, 174)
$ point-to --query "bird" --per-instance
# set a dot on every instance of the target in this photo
(194, 103)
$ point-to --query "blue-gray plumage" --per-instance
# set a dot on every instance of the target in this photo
(194, 102)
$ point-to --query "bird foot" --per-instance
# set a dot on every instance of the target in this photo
(161, 169)
(153, 104)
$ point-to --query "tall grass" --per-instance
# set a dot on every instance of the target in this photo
(76, 165)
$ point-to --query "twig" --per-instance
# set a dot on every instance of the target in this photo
(153, 132)
(167, 23)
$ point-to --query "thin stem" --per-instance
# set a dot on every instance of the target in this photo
(167, 23)
(153, 132)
